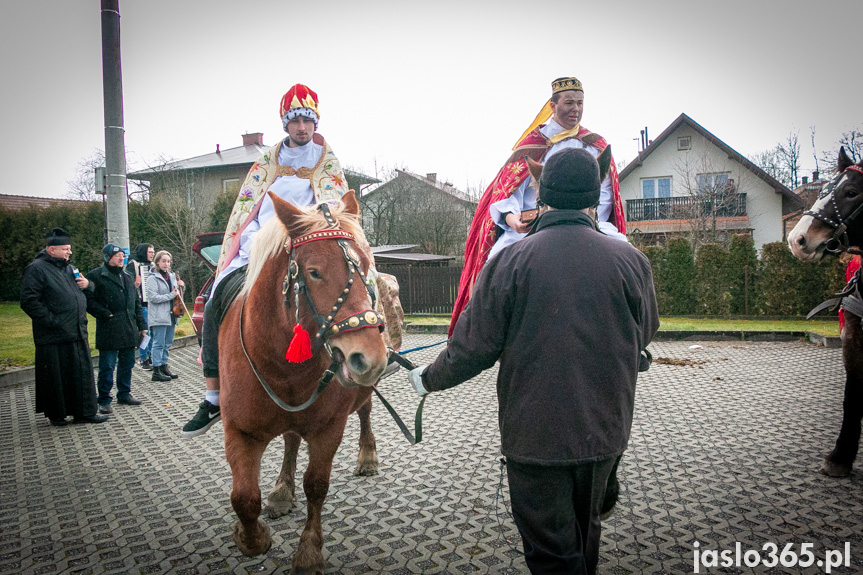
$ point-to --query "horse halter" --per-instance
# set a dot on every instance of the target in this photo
(327, 327)
(839, 241)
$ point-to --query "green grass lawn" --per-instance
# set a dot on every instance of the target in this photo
(824, 327)
(16, 335)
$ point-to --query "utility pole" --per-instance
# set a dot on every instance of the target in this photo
(117, 202)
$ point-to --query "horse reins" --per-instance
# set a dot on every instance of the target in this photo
(839, 242)
(327, 327)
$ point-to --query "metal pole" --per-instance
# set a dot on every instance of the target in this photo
(115, 149)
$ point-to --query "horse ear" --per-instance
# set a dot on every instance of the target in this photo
(844, 160)
(350, 202)
(285, 211)
(604, 160)
(534, 167)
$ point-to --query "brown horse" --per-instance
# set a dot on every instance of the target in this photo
(301, 262)
(834, 224)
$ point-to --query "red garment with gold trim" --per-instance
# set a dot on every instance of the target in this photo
(483, 230)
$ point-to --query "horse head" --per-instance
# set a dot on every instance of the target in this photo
(604, 161)
(328, 290)
(833, 223)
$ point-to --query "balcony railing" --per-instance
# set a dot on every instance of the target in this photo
(684, 208)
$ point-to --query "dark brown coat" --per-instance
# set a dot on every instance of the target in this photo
(567, 311)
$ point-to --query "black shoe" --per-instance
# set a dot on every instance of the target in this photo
(147, 365)
(168, 372)
(207, 415)
(59, 422)
(105, 408)
(159, 375)
(128, 400)
(92, 419)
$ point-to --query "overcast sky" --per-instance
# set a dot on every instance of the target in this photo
(433, 86)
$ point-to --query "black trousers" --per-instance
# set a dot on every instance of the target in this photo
(556, 510)
(214, 311)
(848, 441)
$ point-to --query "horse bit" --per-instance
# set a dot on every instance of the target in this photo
(327, 327)
(839, 242)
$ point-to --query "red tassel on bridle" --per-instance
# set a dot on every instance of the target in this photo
(300, 348)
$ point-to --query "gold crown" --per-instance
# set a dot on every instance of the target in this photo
(564, 84)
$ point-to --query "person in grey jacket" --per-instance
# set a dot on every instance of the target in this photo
(569, 312)
(162, 287)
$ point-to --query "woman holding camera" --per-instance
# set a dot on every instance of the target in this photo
(162, 288)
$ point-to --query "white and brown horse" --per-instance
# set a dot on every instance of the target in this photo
(834, 224)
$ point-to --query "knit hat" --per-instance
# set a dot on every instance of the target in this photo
(570, 180)
(57, 237)
(299, 101)
(110, 250)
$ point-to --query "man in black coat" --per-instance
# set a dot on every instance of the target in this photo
(569, 312)
(119, 326)
(52, 294)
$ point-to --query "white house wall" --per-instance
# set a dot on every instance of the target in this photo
(763, 203)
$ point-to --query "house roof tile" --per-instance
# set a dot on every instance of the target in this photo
(14, 202)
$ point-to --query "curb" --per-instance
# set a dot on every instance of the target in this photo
(811, 337)
(22, 375)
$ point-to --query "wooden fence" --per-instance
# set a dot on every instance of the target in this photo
(425, 289)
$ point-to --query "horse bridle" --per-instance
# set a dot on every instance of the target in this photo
(327, 327)
(839, 242)
(326, 323)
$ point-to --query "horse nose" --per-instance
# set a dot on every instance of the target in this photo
(801, 241)
(357, 362)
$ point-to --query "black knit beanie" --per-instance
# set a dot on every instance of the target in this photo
(570, 180)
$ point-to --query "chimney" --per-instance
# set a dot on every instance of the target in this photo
(432, 177)
(805, 180)
(253, 139)
(815, 176)
(217, 149)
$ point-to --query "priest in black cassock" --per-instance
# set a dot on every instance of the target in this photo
(53, 295)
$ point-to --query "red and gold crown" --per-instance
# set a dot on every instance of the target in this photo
(299, 96)
(564, 84)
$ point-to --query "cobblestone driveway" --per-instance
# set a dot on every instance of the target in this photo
(724, 450)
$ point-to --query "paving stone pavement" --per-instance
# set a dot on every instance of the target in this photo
(723, 450)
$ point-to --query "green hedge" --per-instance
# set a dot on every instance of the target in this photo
(731, 280)
(151, 222)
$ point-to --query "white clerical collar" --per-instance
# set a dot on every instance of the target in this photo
(551, 129)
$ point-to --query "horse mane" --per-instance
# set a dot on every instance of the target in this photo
(270, 240)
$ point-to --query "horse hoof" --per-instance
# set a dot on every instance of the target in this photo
(252, 545)
(276, 509)
(832, 469)
(307, 571)
(366, 469)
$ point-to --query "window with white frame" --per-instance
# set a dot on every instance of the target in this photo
(684, 142)
(655, 188)
(712, 183)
